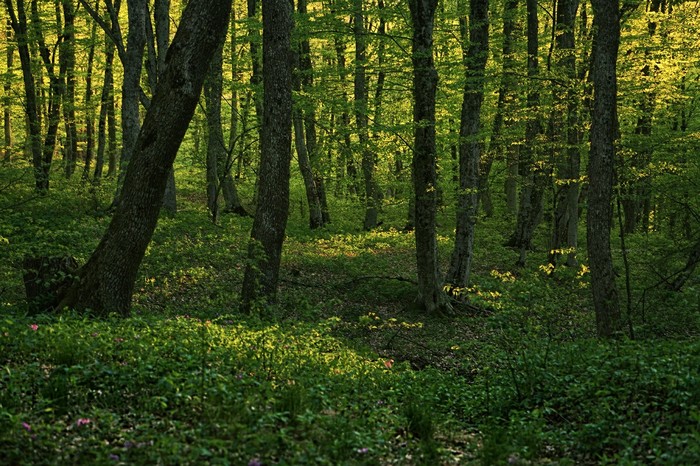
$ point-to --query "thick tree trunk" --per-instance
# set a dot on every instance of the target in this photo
(106, 281)
(475, 56)
(425, 80)
(604, 127)
(265, 250)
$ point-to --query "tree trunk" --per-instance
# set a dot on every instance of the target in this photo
(89, 111)
(7, 88)
(68, 59)
(106, 281)
(106, 102)
(362, 117)
(18, 21)
(218, 160)
(691, 264)
(265, 250)
(565, 227)
(533, 175)
(425, 80)
(475, 55)
(604, 127)
(131, 85)
(256, 77)
(307, 83)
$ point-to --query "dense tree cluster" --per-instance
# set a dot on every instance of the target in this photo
(548, 113)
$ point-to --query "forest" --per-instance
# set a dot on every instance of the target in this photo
(350, 232)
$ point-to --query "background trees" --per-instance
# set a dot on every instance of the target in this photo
(519, 116)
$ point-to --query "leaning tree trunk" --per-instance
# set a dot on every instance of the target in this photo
(604, 127)
(475, 56)
(265, 250)
(425, 80)
(106, 282)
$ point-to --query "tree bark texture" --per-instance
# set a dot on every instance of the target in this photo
(565, 228)
(106, 282)
(18, 20)
(7, 88)
(475, 56)
(604, 127)
(265, 250)
(425, 80)
(362, 116)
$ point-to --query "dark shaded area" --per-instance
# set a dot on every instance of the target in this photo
(45, 278)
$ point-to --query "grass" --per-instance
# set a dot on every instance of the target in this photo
(344, 369)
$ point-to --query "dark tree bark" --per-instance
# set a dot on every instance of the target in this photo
(106, 109)
(687, 272)
(56, 89)
(89, 111)
(256, 77)
(301, 136)
(362, 117)
(218, 161)
(67, 57)
(604, 127)
(533, 175)
(132, 62)
(474, 56)
(18, 21)
(265, 250)
(565, 227)
(312, 146)
(7, 88)
(106, 281)
(425, 80)
(506, 96)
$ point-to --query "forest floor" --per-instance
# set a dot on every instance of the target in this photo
(345, 369)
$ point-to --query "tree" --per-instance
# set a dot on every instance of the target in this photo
(475, 55)
(425, 80)
(105, 283)
(604, 129)
(265, 249)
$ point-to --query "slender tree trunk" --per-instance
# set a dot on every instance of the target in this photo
(256, 77)
(218, 160)
(106, 104)
(7, 88)
(106, 282)
(504, 104)
(475, 53)
(362, 117)
(691, 264)
(565, 227)
(68, 57)
(533, 175)
(265, 250)
(312, 146)
(18, 21)
(89, 111)
(425, 80)
(131, 85)
(604, 128)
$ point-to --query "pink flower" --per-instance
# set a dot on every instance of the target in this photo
(34, 327)
(388, 363)
(26, 427)
(83, 421)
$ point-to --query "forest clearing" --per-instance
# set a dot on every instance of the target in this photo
(350, 232)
